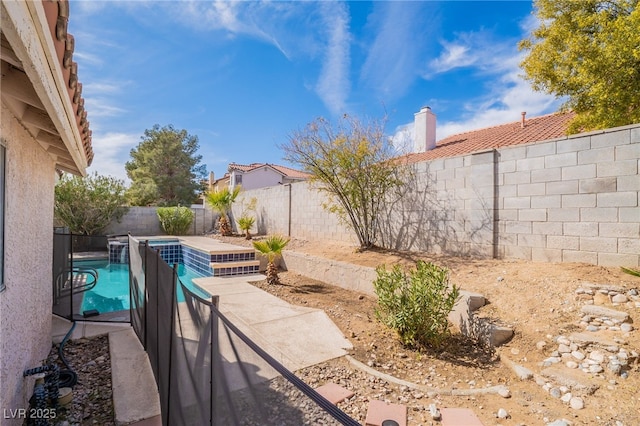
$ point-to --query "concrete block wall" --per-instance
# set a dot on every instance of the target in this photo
(293, 209)
(572, 199)
(144, 221)
(447, 206)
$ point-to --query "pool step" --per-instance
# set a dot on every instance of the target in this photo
(240, 267)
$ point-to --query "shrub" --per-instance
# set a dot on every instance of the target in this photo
(175, 220)
(87, 205)
(416, 304)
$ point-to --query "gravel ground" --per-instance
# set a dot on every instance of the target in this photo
(92, 402)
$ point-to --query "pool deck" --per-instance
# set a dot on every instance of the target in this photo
(213, 246)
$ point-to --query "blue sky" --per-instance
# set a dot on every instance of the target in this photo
(242, 76)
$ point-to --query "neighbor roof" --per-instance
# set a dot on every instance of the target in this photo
(535, 129)
(285, 171)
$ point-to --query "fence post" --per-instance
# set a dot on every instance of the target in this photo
(214, 351)
(174, 306)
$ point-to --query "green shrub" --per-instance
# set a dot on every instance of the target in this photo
(175, 220)
(416, 304)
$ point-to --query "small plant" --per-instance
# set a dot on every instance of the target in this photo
(175, 220)
(221, 201)
(272, 248)
(416, 304)
(245, 223)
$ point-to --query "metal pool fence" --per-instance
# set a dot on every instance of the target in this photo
(207, 371)
(71, 281)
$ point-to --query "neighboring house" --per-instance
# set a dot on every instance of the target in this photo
(259, 175)
(218, 184)
(44, 127)
(519, 132)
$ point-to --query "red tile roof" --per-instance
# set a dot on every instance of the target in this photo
(536, 129)
(286, 171)
(57, 13)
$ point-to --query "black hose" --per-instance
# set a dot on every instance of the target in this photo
(68, 377)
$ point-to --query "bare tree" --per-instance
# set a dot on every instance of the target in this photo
(355, 163)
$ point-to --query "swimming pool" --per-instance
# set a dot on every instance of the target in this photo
(111, 293)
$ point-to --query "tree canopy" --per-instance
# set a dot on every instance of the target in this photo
(165, 169)
(87, 205)
(588, 52)
(353, 162)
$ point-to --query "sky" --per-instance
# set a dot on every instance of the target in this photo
(243, 76)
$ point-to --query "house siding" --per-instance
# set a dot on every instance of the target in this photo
(25, 304)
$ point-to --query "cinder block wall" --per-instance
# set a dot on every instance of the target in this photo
(293, 209)
(573, 199)
(144, 221)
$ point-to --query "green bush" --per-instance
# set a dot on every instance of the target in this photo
(416, 304)
(175, 220)
(87, 205)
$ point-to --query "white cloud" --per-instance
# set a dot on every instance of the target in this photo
(333, 83)
(111, 152)
(454, 56)
(506, 95)
(393, 55)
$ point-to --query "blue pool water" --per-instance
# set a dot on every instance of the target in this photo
(112, 291)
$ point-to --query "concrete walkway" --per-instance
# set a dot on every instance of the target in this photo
(296, 336)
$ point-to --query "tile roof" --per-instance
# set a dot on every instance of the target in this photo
(285, 171)
(536, 129)
(57, 13)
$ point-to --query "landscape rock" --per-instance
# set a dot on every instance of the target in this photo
(600, 311)
(576, 403)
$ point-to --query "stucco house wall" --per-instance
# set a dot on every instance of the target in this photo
(261, 177)
(25, 304)
(43, 127)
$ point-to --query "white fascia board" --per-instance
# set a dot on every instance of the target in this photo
(25, 26)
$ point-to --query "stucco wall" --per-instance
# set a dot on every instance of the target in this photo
(25, 304)
(258, 178)
(573, 199)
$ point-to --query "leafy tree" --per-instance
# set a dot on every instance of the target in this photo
(354, 164)
(164, 168)
(272, 248)
(87, 205)
(220, 201)
(589, 52)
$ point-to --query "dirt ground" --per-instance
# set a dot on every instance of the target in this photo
(537, 300)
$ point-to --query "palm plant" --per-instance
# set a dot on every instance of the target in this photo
(220, 201)
(271, 248)
(245, 223)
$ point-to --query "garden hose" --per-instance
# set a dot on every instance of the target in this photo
(68, 377)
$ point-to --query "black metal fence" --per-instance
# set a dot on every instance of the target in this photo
(207, 371)
(77, 260)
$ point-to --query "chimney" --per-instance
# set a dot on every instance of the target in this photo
(424, 130)
(523, 115)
